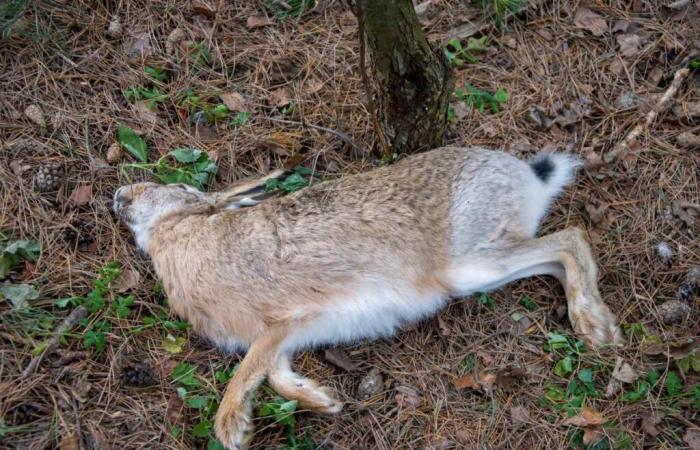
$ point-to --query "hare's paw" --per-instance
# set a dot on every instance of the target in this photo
(233, 428)
(594, 322)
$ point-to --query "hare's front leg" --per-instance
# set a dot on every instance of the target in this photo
(565, 255)
(307, 392)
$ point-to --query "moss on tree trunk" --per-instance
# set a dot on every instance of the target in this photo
(413, 80)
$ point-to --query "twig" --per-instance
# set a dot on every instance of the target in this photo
(661, 106)
(69, 322)
(374, 112)
(342, 136)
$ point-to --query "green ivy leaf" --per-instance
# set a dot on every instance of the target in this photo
(197, 402)
(186, 155)
(184, 373)
(133, 143)
(202, 429)
(564, 366)
(27, 249)
(214, 444)
(18, 294)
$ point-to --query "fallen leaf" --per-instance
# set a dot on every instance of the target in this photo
(649, 423)
(128, 279)
(114, 29)
(234, 101)
(519, 414)
(591, 435)
(81, 389)
(461, 110)
(624, 372)
(596, 214)
(613, 388)
(692, 438)
(96, 439)
(339, 358)
(175, 409)
(114, 152)
(138, 45)
(279, 98)
(685, 139)
(98, 165)
(443, 327)
(175, 36)
(203, 8)
(145, 113)
(18, 294)
(19, 167)
(36, 115)
(407, 397)
(630, 44)
(588, 417)
(173, 344)
(591, 21)
(347, 22)
(81, 196)
(467, 381)
(70, 442)
(257, 21)
(372, 384)
(507, 377)
(620, 26)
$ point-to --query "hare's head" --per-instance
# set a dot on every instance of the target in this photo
(141, 205)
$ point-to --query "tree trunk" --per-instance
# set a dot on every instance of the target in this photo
(413, 80)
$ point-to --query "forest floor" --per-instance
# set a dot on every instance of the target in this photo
(502, 370)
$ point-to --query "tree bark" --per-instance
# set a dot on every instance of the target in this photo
(413, 80)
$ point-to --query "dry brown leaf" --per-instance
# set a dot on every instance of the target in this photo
(461, 110)
(348, 22)
(257, 21)
(97, 439)
(630, 44)
(372, 384)
(443, 327)
(587, 418)
(203, 8)
(519, 414)
(127, 280)
(407, 397)
(36, 115)
(114, 152)
(591, 435)
(279, 97)
(620, 26)
(339, 358)
(138, 45)
(624, 372)
(692, 438)
(70, 442)
(175, 36)
(649, 423)
(19, 167)
(487, 380)
(596, 214)
(233, 101)
(145, 113)
(688, 139)
(175, 409)
(507, 377)
(81, 196)
(467, 381)
(591, 21)
(613, 388)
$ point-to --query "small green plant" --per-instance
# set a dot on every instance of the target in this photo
(153, 96)
(200, 109)
(298, 179)
(528, 303)
(486, 300)
(476, 98)
(13, 252)
(694, 63)
(200, 54)
(290, 8)
(95, 335)
(457, 55)
(239, 119)
(11, 16)
(497, 10)
(156, 74)
(182, 165)
(133, 143)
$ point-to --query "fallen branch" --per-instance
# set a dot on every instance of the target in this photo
(342, 136)
(662, 105)
(69, 322)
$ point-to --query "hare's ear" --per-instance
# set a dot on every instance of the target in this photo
(247, 192)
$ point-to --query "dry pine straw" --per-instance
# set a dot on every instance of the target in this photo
(75, 74)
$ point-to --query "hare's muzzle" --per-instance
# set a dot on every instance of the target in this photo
(123, 197)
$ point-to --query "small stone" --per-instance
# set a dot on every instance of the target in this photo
(673, 311)
(48, 178)
(114, 153)
(371, 385)
(34, 113)
(114, 30)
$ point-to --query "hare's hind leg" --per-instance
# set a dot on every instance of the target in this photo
(233, 425)
(565, 255)
(307, 392)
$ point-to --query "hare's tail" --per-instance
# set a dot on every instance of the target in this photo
(555, 171)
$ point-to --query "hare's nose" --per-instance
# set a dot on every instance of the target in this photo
(122, 196)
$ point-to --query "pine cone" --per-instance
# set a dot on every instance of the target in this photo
(673, 311)
(48, 178)
(139, 375)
